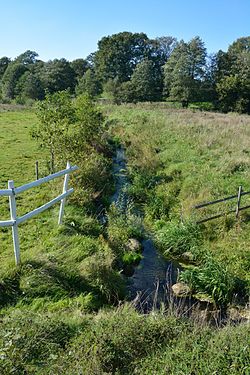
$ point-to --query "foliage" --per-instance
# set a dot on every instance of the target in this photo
(10, 78)
(88, 84)
(233, 84)
(55, 114)
(174, 239)
(118, 341)
(4, 62)
(184, 71)
(80, 66)
(130, 67)
(118, 55)
(74, 131)
(58, 75)
(145, 84)
(213, 279)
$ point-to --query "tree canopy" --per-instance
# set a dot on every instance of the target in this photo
(130, 67)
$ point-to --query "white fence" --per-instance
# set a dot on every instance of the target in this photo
(12, 191)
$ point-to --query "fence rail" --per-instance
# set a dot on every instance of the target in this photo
(236, 210)
(12, 191)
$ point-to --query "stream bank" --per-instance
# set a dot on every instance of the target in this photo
(150, 285)
(152, 282)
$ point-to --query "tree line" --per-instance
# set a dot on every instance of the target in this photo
(130, 67)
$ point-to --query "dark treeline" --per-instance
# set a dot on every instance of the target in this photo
(130, 67)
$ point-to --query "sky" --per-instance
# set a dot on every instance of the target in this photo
(72, 28)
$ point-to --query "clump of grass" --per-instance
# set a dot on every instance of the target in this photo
(100, 274)
(29, 341)
(123, 223)
(214, 280)
(174, 239)
(116, 339)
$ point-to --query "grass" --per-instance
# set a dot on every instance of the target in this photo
(58, 262)
(59, 312)
(118, 341)
(179, 158)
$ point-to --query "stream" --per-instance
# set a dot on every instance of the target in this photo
(150, 285)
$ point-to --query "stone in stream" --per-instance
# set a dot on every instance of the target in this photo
(181, 290)
(133, 245)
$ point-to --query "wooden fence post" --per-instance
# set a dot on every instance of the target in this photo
(238, 201)
(12, 201)
(65, 188)
(37, 170)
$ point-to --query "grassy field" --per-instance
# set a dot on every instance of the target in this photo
(63, 310)
(177, 159)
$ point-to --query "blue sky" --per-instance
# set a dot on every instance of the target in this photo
(72, 28)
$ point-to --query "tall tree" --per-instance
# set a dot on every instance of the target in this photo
(57, 75)
(233, 85)
(80, 66)
(4, 62)
(27, 58)
(118, 55)
(29, 86)
(89, 84)
(10, 79)
(164, 47)
(145, 83)
(185, 71)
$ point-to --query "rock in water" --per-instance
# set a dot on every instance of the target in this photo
(133, 245)
(181, 290)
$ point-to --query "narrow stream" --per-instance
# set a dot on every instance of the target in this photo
(150, 285)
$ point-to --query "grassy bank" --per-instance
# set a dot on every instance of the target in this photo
(177, 159)
(58, 262)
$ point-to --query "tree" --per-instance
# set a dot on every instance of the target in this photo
(73, 130)
(55, 115)
(80, 66)
(145, 83)
(118, 55)
(89, 84)
(234, 89)
(164, 47)
(233, 78)
(4, 62)
(58, 75)
(185, 71)
(29, 86)
(10, 79)
(27, 58)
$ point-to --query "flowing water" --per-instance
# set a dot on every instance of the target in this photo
(150, 285)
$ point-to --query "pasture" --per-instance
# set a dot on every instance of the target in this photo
(64, 311)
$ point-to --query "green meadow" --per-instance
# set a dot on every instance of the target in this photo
(64, 309)
(180, 158)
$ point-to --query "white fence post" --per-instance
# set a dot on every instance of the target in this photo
(13, 215)
(65, 188)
